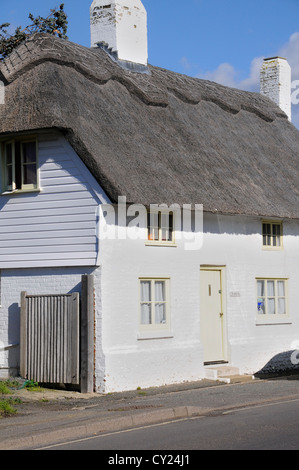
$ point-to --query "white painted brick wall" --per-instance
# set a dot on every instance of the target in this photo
(233, 242)
(276, 83)
(122, 24)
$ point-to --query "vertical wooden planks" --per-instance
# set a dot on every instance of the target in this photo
(50, 338)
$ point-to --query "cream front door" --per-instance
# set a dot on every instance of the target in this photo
(211, 315)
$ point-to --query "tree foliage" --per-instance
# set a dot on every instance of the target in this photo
(55, 24)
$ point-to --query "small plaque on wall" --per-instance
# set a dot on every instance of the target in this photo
(234, 294)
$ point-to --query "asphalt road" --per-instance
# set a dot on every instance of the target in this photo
(272, 426)
(200, 415)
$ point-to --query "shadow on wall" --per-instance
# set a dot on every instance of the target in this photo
(285, 363)
(12, 349)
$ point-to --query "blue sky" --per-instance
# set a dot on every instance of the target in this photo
(221, 40)
(189, 36)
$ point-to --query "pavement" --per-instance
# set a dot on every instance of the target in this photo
(51, 416)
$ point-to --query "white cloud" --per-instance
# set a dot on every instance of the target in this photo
(226, 74)
(290, 51)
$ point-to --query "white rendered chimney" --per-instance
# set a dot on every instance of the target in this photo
(121, 25)
(276, 83)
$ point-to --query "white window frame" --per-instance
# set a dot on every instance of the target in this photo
(6, 188)
(271, 245)
(263, 304)
(153, 326)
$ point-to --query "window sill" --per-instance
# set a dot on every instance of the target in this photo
(20, 191)
(148, 335)
(272, 248)
(158, 243)
(273, 321)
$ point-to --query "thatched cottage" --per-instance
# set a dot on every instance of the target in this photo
(84, 128)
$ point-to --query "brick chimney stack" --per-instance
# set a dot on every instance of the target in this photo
(276, 83)
(120, 26)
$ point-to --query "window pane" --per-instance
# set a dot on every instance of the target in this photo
(9, 166)
(8, 153)
(160, 313)
(145, 291)
(9, 176)
(270, 289)
(167, 226)
(261, 299)
(281, 306)
(261, 288)
(18, 168)
(276, 234)
(153, 226)
(267, 234)
(281, 288)
(29, 152)
(271, 306)
(146, 314)
(29, 174)
(160, 291)
(261, 307)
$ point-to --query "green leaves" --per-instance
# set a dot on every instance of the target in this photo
(55, 24)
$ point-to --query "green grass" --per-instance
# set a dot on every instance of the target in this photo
(6, 404)
(4, 390)
(6, 408)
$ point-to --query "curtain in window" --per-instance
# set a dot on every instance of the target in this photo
(146, 314)
(281, 297)
(261, 297)
(160, 313)
(271, 297)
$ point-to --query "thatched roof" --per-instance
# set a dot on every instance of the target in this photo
(159, 137)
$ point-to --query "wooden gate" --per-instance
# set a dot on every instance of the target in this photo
(50, 338)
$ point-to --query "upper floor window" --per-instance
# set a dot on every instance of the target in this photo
(160, 227)
(272, 234)
(19, 165)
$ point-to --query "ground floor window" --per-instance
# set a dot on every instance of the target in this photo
(271, 297)
(154, 303)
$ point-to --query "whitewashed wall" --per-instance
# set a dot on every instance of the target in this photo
(233, 242)
(236, 242)
(135, 360)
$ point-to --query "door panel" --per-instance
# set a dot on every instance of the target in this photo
(211, 316)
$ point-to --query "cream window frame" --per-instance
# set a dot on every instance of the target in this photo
(12, 189)
(153, 326)
(271, 245)
(160, 213)
(265, 299)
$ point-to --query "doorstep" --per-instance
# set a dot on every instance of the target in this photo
(226, 374)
